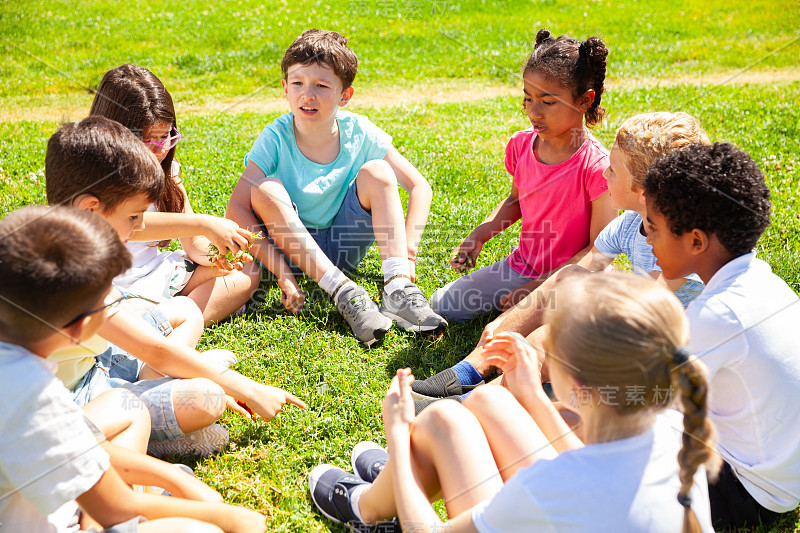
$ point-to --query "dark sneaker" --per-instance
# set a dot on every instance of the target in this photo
(420, 405)
(362, 314)
(368, 460)
(409, 308)
(330, 489)
(440, 385)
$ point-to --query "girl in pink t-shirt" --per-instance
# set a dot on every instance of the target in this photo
(558, 188)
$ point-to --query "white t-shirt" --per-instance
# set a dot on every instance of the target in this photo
(629, 485)
(48, 455)
(743, 327)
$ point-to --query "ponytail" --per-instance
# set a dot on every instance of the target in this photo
(698, 432)
(581, 66)
(592, 54)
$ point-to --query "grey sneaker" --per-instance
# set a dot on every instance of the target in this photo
(202, 442)
(409, 308)
(362, 314)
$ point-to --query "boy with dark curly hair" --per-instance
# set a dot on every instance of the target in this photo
(707, 206)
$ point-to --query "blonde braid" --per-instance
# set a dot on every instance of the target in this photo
(699, 435)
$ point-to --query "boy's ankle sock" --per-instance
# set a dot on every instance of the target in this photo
(395, 266)
(333, 279)
(466, 373)
(355, 496)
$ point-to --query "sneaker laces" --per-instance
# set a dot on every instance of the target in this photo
(415, 299)
(355, 305)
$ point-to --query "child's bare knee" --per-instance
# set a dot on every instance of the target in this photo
(378, 172)
(443, 419)
(203, 397)
(488, 398)
(268, 195)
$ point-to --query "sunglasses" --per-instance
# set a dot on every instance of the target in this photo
(112, 305)
(167, 144)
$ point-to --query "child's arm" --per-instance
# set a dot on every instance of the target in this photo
(141, 469)
(590, 258)
(241, 212)
(419, 198)
(502, 216)
(522, 375)
(110, 501)
(136, 337)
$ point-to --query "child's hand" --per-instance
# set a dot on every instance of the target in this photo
(227, 236)
(465, 255)
(514, 297)
(488, 332)
(521, 365)
(237, 406)
(398, 405)
(266, 401)
(292, 297)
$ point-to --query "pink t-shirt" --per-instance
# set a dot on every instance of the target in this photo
(555, 201)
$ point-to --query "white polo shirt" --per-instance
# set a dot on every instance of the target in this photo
(743, 329)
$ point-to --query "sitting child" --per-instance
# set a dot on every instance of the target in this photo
(56, 271)
(324, 184)
(707, 206)
(506, 461)
(81, 159)
(136, 98)
(639, 141)
(558, 188)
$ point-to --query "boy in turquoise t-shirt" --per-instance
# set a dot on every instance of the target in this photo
(323, 182)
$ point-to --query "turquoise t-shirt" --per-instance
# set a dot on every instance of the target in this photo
(317, 190)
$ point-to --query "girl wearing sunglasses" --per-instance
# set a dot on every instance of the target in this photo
(136, 98)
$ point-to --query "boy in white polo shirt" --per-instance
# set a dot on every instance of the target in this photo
(706, 208)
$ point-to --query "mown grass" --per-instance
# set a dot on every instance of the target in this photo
(459, 148)
(203, 50)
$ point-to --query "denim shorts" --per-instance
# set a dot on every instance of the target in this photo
(476, 293)
(116, 368)
(348, 239)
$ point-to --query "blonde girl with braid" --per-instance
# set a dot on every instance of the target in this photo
(505, 460)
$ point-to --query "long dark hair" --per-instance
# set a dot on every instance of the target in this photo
(136, 98)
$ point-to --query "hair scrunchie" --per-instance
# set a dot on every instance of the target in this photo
(680, 356)
(685, 500)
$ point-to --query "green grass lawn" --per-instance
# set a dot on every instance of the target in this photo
(458, 146)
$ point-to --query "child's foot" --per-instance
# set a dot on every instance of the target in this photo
(202, 442)
(368, 460)
(440, 385)
(331, 489)
(362, 314)
(409, 308)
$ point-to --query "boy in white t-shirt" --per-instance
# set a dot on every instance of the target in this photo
(55, 273)
(707, 206)
(82, 158)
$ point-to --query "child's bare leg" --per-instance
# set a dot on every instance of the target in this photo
(272, 205)
(450, 454)
(177, 525)
(198, 403)
(513, 436)
(376, 185)
(218, 296)
(186, 320)
(122, 417)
